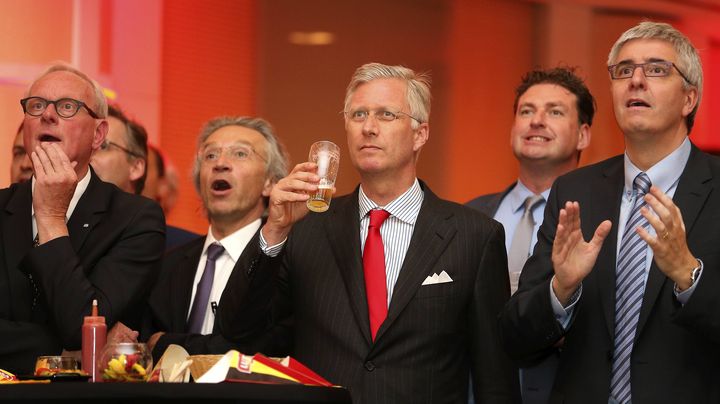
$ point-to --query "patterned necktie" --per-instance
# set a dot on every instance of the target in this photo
(520, 246)
(629, 289)
(374, 269)
(202, 293)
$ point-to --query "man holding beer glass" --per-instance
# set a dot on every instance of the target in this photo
(392, 292)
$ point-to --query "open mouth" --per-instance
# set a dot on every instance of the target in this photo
(537, 139)
(220, 185)
(637, 103)
(49, 138)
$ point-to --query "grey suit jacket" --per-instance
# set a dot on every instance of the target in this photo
(677, 348)
(433, 334)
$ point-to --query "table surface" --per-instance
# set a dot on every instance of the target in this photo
(133, 393)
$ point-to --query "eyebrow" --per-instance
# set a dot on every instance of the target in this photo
(649, 60)
(240, 143)
(549, 104)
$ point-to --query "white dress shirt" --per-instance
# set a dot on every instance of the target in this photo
(234, 245)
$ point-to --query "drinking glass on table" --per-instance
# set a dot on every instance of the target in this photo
(49, 365)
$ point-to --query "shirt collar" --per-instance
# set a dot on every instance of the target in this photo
(79, 191)
(236, 242)
(519, 193)
(664, 174)
(405, 207)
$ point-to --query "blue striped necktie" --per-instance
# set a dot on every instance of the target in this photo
(629, 289)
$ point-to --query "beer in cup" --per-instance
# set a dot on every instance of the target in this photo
(327, 157)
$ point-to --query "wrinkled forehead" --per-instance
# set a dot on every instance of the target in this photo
(643, 50)
(235, 135)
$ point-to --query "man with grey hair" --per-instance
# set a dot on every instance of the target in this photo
(393, 292)
(639, 311)
(67, 237)
(238, 161)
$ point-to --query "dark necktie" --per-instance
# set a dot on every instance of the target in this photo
(520, 246)
(374, 269)
(629, 289)
(202, 293)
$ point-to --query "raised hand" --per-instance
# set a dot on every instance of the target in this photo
(55, 182)
(670, 250)
(573, 258)
(288, 201)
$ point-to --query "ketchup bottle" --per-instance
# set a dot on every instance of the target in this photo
(94, 336)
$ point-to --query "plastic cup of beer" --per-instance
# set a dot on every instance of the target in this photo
(327, 157)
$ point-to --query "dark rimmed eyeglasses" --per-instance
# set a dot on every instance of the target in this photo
(65, 107)
(105, 145)
(650, 69)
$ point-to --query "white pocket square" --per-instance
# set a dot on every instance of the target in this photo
(434, 279)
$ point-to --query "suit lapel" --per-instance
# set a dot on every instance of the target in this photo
(343, 226)
(612, 185)
(433, 231)
(88, 211)
(693, 189)
(18, 240)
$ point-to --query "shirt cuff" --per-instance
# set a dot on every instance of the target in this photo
(271, 251)
(685, 295)
(563, 314)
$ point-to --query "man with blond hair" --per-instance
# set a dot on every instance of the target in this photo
(393, 292)
(637, 304)
(68, 238)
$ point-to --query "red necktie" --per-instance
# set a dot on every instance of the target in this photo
(374, 268)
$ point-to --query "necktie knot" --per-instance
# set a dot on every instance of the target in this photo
(531, 202)
(642, 184)
(214, 251)
(377, 217)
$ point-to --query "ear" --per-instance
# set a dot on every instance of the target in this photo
(267, 187)
(137, 169)
(691, 100)
(584, 136)
(100, 132)
(421, 136)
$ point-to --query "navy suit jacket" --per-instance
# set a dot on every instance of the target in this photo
(112, 254)
(489, 203)
(677, 348)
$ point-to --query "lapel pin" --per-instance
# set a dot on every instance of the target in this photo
(86, 225)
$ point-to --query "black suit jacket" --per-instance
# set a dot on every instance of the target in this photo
(433, 334)
(677, 348)
(112, 254)
(169, 301)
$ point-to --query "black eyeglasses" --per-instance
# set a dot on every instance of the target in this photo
(106, 145)
(65, 107)
(650, 69)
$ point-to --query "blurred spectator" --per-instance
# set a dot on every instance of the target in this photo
(161, 185)
(20, 167)
(122, 156)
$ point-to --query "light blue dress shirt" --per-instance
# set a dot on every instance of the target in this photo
(665, 175)
(510, 212)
